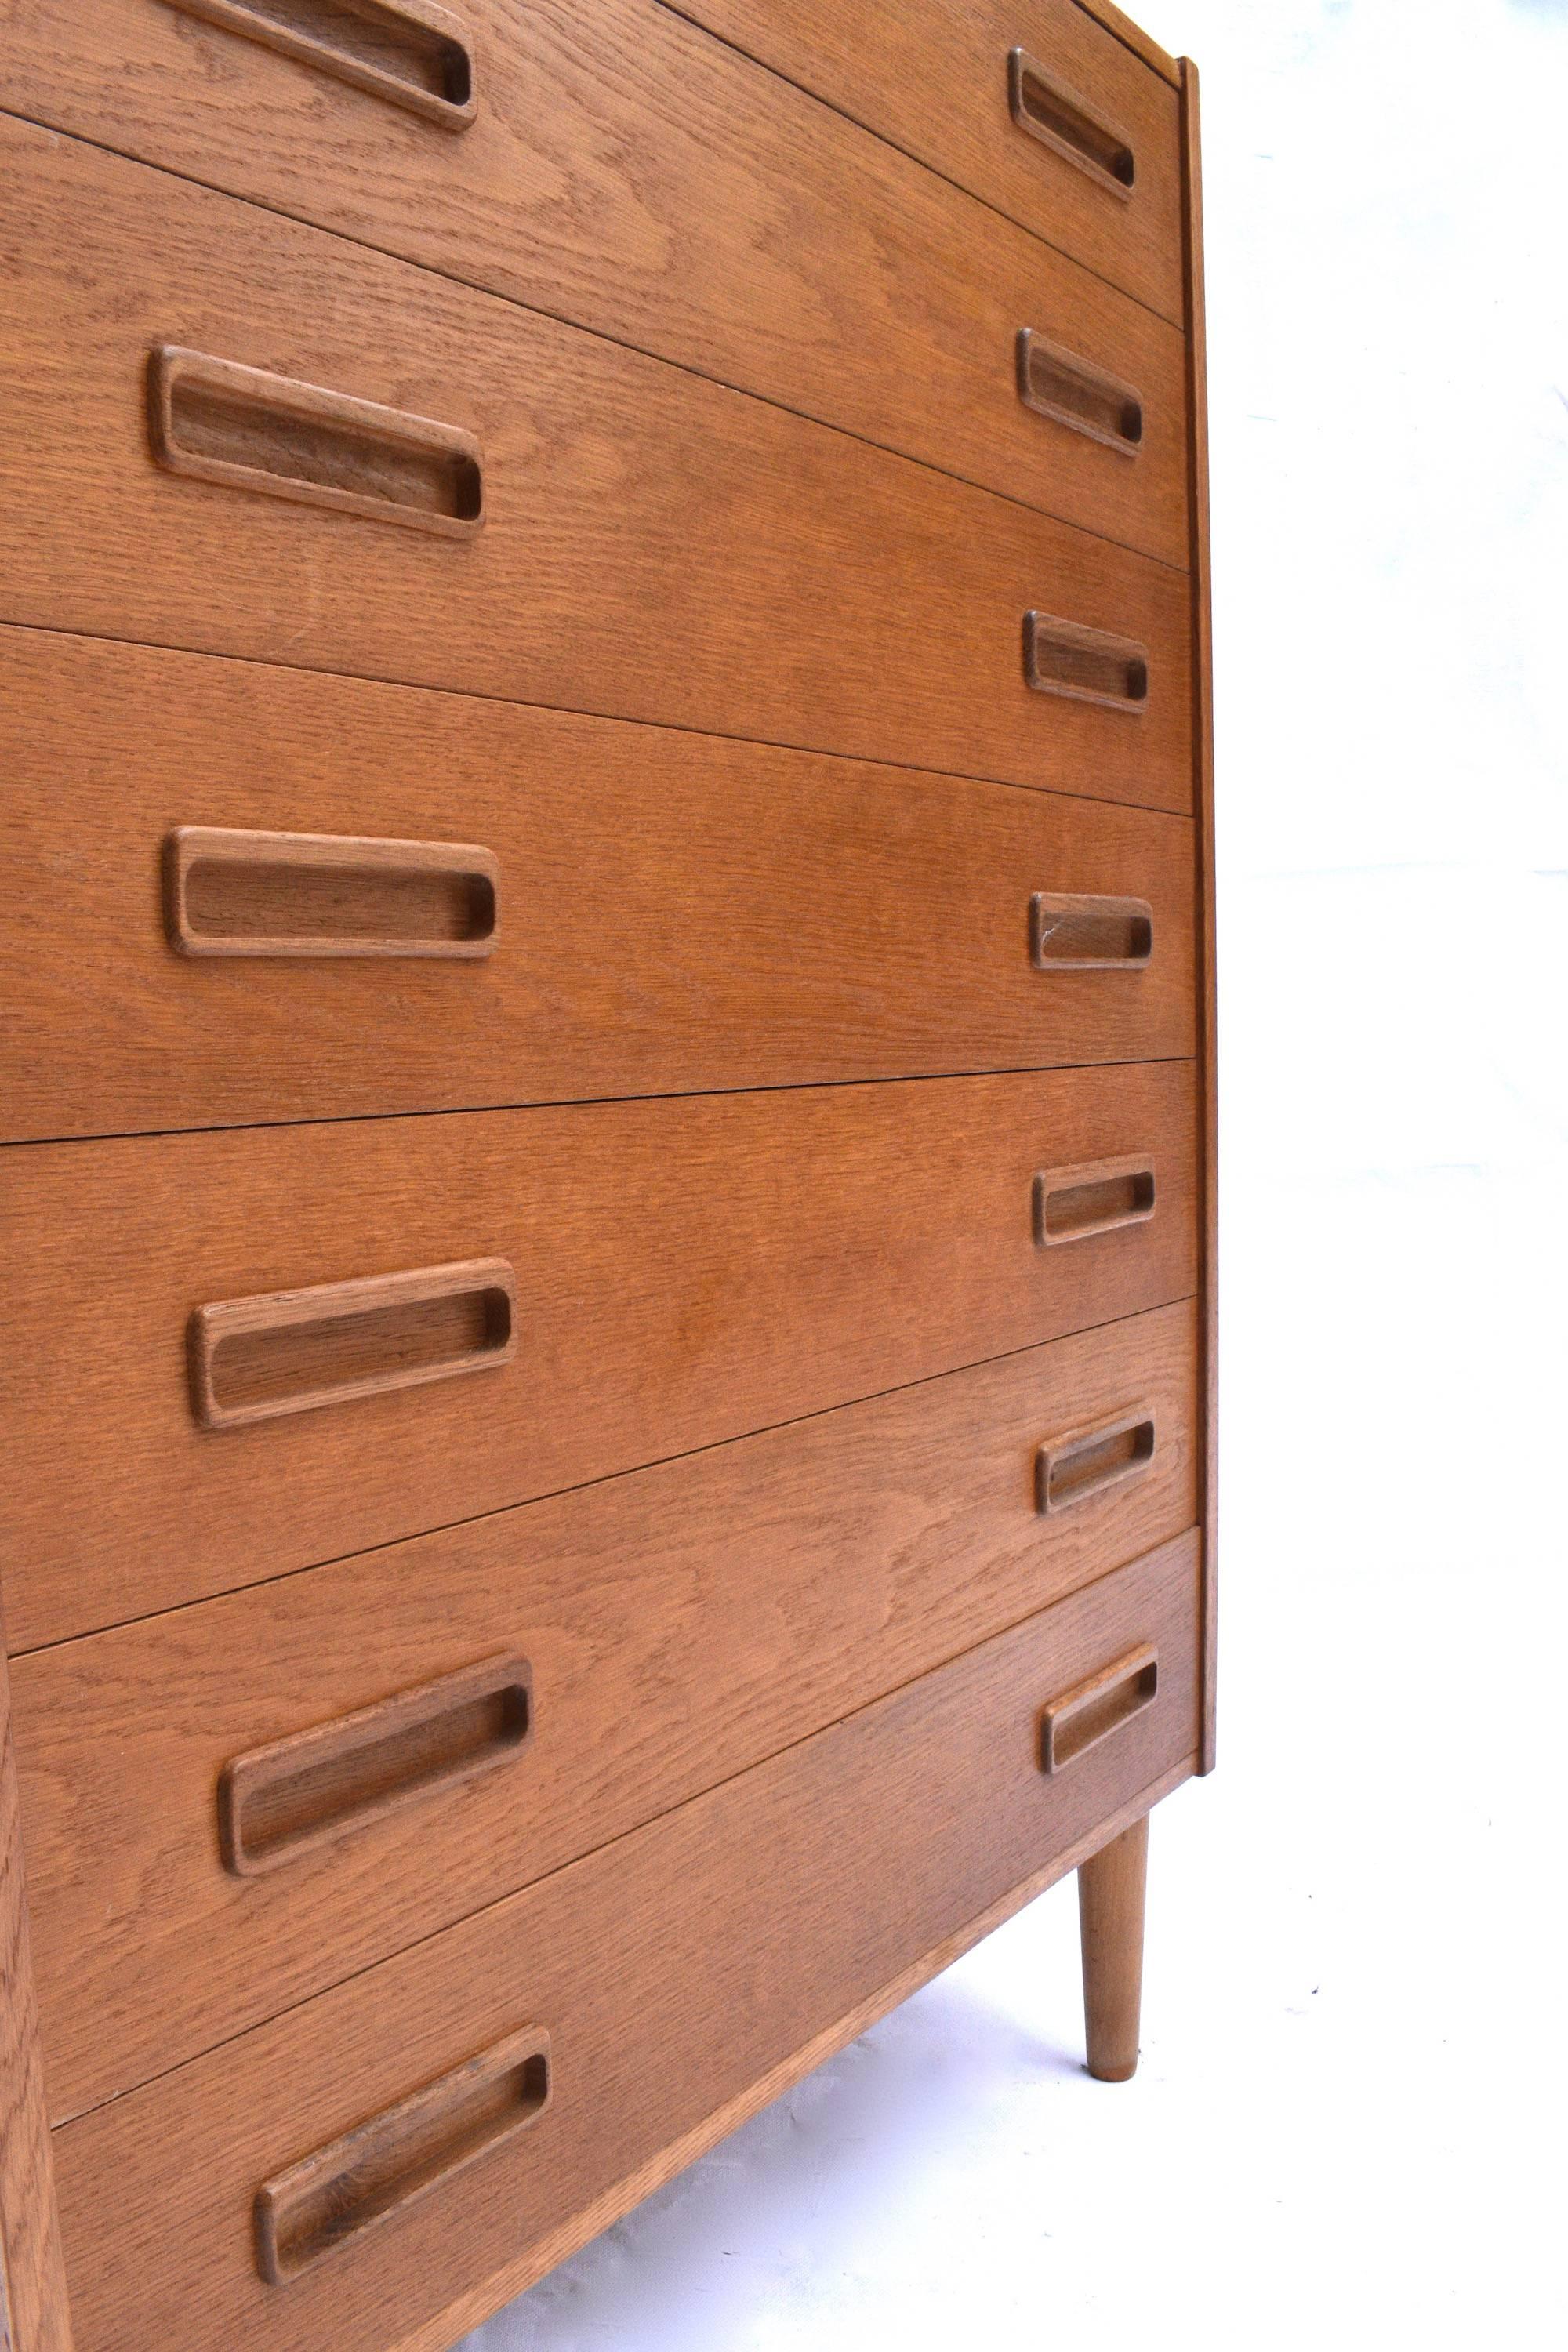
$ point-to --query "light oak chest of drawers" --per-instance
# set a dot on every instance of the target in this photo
(607, 1171)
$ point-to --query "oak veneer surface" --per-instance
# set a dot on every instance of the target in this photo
(931, 76)
(758, 237)
(32, 2278)
(1203, 704)
(674, 912)
(686, 1270)
(653, 546)
(670, 1969)
(680, 1624)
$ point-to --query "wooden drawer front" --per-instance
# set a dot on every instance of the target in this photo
(670, 1971)
(672, 913)
(677, 1624)
(682, 1270)
(932, 77)
(630, 539)
(761, 238)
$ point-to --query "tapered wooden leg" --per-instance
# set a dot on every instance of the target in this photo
(1111, 1923)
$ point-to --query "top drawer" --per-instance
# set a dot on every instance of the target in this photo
(761, 238)
(1100, 173)
(597, 530)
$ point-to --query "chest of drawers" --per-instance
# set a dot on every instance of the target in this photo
(607, 1185)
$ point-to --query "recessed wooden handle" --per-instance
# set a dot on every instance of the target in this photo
(231, 893)
(1088, 665)
(1089, 934)
(380, 2168)
(415, 54)
(1043, 105)
(1098, 1707)
(221, 422)
(311, 1789)
(1072, 1203)
(1057, 382)
(1071, 1470)
(294, 1350)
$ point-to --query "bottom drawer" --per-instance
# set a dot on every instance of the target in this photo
(629, 1999)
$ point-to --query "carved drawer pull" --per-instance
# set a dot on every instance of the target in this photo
(381, 2167)
(220, 422)
(1086, 664)
(1043, 105)
(1093, 1709)
(234, 893)
(1057, 382)
(296, 1351)
(309, 1788)
(1083, 933)
(1071, 1204)
(409, 51)
(1071, 1470)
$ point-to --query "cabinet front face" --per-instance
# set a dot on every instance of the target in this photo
(607, 1155)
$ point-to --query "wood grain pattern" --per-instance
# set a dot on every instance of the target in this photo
(1134, 37)
(686, 1270)
(478, 2302)
(1203, 755)
(931, 77)
(655, 2021)
(628, 172)
(33, 2315)
(815, 435)
(655, 547)
(680, 1623)
(678, 913)
(1110, 1899)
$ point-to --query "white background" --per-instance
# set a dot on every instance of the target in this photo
(1346, 2123)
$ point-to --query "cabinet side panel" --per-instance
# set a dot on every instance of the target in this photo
(33, 2314)
(1202, 753)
